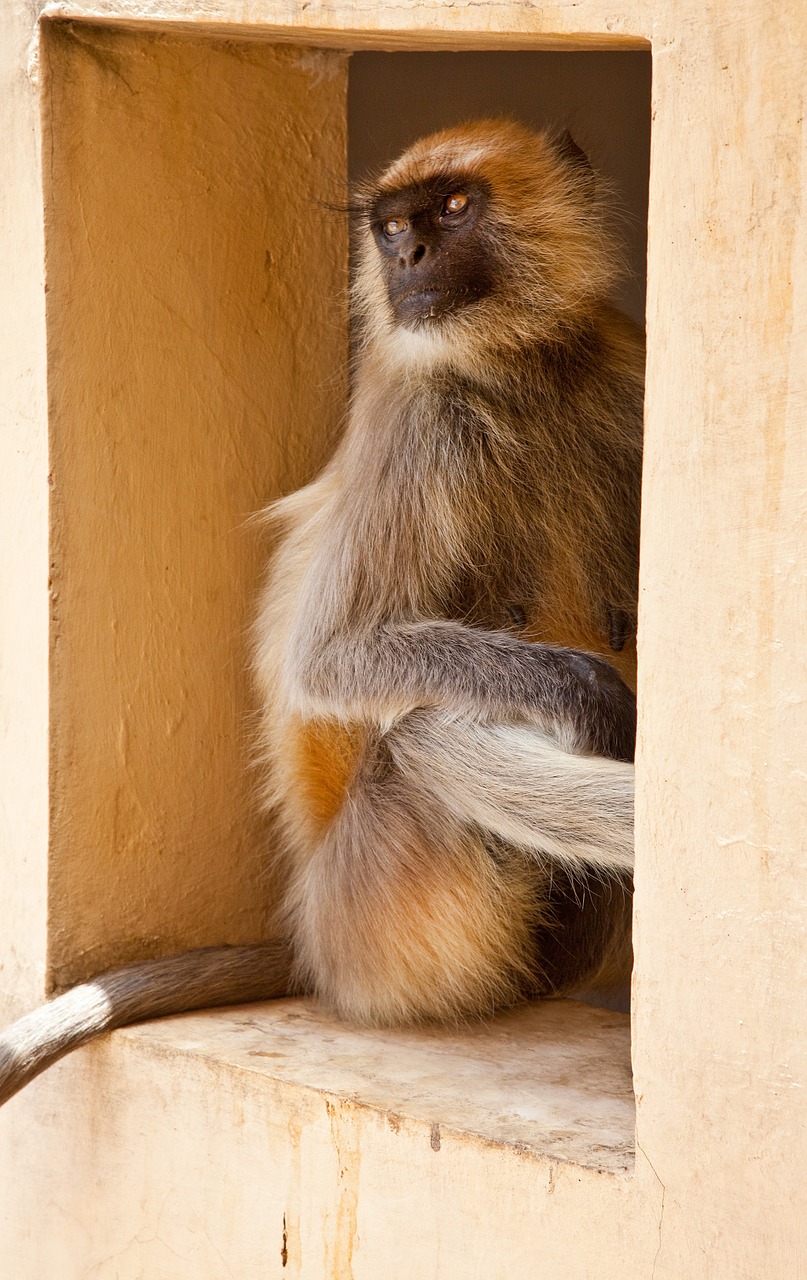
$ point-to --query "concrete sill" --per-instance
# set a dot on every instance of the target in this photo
(551, 1079)
(269, 1141)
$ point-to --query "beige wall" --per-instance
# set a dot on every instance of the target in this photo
(190, 381)
(23, 526)
(167, 163)
(721, 900)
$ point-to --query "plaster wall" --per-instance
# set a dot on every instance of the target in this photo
(191, 380)
(153, 1135)
(720, 984)
(23, 525)
(272, 1142)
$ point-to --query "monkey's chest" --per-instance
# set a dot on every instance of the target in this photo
(518, 589)
(547, 603)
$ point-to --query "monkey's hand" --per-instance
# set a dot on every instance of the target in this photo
(606, 721)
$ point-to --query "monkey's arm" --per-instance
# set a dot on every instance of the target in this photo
(576, 697)
(198, 979)
(403, 525)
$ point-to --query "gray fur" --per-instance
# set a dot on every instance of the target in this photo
(448, 762)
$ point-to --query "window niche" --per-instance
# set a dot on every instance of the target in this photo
(198, 322)
(182, 380)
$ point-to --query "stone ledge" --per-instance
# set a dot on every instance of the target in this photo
(269, 1140)
(553, 1079)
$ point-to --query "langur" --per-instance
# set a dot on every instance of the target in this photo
(445, 642)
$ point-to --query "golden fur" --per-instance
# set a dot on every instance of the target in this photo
(398, 909)
(454, 835)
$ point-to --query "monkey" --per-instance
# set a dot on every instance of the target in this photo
(445, 642)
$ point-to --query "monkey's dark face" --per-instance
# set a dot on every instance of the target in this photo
(430, 237)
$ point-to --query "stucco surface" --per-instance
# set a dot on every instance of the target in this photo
(23, 526)
(552, 1078)
(191, 380)
(267, 1141)
(412, 24)
(721, 882)
(149, 1158)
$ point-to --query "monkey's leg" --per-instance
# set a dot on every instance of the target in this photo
(516, 783)
(196, 979)
(586, 943)
(402, 913)
(431, 895)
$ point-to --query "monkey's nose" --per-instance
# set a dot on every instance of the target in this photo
(413, 257)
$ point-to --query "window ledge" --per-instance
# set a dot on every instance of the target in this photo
(272, 1140)
(552, 1079)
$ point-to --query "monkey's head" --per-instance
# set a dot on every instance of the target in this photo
(483, 235)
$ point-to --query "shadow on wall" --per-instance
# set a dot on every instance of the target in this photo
(603, 98)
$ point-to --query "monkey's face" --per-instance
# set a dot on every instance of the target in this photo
(479, 239)
(430, 236)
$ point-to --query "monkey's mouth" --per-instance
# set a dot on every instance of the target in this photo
(422, 305)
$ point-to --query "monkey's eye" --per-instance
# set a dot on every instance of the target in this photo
(457, 202)
(394, 226)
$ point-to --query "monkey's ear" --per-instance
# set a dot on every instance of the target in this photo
(575, 157)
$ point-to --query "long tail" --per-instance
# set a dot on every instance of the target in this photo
(515, 782)
(196, 979)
